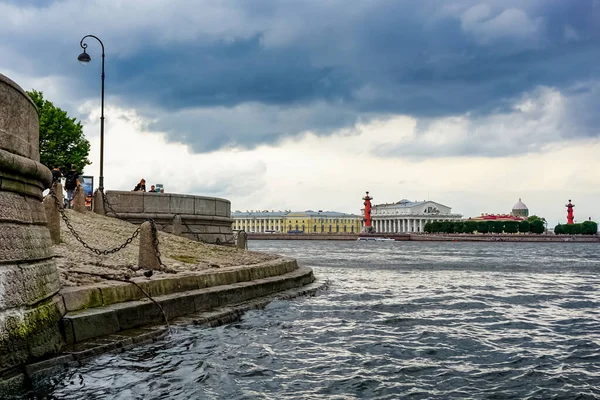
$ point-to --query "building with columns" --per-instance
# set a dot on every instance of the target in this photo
(296, 222)
(407, 216)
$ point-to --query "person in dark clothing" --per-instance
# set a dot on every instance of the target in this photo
(56, 175)
(71, 183)
(140, 187)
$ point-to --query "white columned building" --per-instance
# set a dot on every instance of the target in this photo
(409, 216)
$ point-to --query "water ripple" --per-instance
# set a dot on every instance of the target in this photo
(410, 320)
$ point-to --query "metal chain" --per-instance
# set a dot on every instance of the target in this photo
(155, 242)
(108, 206)
(61, 210)
(190, 231)
(127, 279)
(162, 228)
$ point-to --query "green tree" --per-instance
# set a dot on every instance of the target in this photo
(446, 227)
(427, 227)
(511, 227)
(483, 227)
(435, 227)
(470, 226)
(524, 227)
(62, 143)
(537, 226)
(532, 218)
(589, 228)
(559, 229)
(459, 227)
(495, 226)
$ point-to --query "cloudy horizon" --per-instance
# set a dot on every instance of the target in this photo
(306, 105)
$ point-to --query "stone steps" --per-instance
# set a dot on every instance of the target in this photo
(73, 355)
(107, 293)
(81, 325)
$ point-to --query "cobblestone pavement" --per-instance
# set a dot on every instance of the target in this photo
(178, 253)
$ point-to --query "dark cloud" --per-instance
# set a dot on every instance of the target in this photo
(280, 68)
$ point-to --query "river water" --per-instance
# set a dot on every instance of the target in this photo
(400, 320)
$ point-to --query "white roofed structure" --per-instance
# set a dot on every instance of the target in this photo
(407, 216)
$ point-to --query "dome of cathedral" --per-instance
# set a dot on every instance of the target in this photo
(520, 209)
(520, 206)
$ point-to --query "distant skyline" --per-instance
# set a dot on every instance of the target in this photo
(277, 104)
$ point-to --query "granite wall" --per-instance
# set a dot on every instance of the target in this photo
(204, 218)
(30, 306)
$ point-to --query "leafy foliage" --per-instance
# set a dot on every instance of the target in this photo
(537, 226)
(62, 143)
(532, 218)
(470, 226)
(585, 228)
(483, 227)
(511, 226)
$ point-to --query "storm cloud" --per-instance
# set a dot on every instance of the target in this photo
(221, 74)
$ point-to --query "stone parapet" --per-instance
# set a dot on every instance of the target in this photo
(204, 218)
(29, 283)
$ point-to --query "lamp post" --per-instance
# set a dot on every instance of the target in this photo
(84, 58)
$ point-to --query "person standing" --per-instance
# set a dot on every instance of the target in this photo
(140, 187)
(71, 183)
(56, 175)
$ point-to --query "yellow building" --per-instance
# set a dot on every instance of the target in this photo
(297, 222)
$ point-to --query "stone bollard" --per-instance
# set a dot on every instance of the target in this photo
(99, 203)
(147, 256)
(79, 201)
(53, 218)
(177, 225)
(57, 188)
(30, 306)
(242, 239)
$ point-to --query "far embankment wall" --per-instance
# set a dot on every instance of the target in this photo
(432, 237)
(318, 236)
(503, 238)
(207, 219)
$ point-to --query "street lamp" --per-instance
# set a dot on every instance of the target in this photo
(84, 58)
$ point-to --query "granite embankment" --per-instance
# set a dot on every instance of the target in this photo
(422, 237)
(105, 294)
(108, 303)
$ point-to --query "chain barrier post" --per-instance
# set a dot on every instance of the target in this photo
(52, 212)
(57, 188)
(79, 201)
(242, 239)
(99, 203)
(177, 229)
(148, 257)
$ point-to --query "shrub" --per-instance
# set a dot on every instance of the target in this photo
(537, 226)
(482, 227)
(524, 227)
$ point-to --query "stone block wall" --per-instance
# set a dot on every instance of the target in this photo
(30, 306)
(205, 218)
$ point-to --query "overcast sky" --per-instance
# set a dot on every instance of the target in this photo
(278, 104)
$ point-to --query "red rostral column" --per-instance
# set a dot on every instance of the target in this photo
(570, 216)
(367, 218)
